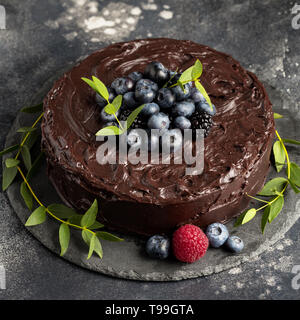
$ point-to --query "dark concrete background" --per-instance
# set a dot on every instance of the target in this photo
(43, 37)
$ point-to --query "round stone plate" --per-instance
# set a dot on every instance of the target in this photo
(128, 259)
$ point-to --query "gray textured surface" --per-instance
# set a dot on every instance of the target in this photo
(41, 39)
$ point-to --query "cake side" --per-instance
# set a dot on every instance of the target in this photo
(147, 199)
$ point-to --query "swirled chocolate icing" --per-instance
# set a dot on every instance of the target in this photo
(148, 198)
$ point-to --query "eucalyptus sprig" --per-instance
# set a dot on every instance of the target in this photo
(67, 217)
(275, 188)
(112, 108)
(192, 74)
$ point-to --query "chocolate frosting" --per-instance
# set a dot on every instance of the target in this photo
(236, 150)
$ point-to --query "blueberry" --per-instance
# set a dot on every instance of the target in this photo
(135, 76)
(235, 244)
(146, 83)
(134, 139)
(205, 107)
(101, 101)
(182, 123)
(159, 121)
(144, 94)
(217, 234)
(172, 140)
(157, 72)
(182, 94)
(196, 95)
(165, 98)
(184, 108)
(158, 247)
(122, 85)
(150, 109)
(108, 117)
(129, 100)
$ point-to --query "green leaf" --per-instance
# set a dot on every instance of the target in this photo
(245, 217)
(96, 225)
(110, 108)
(38, 216)
(291, 141)
(275, 208)
(90, 83)
(27, 196)
(101, 88)
(64, 238)
(9, 175)
(92, 246)
(273, 186)
(31, 139)
(33, 109)
(9, 149)
(277, 115)
(203, 91)
(86, 235)
(186, 75)
(76, 219)
(61, 211)
(294, 187)
(265, 218)
(110, 131)
(108, 236)
(295, 174)
(279, 155)
(35, 166)
(133, 115)
(117, 102)
(89, 217)
(26, 157)
(26, 129)
(197, 70)
(10, 162)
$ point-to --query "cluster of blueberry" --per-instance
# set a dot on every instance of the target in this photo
(166, 108)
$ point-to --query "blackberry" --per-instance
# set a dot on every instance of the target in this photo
(139, 122)
(201, 120)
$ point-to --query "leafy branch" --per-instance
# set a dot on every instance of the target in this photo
(111, 108)
(276, 187)
(87, 223)
(192, 74)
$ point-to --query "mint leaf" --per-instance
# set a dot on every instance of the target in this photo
(186, 75)
(96, 225)
(295, 174)
(26, 129)
(197, 70)
(133, 115)
(279, 155)
(38, 216)
(275, 208)
(90, 83)
(89, 217)
(294, 187)
(9, 150)
(26, 157)
(33, 109)
(92, 246)
(117, 102)
(110, 131)
(10, 162)
(86, 235)
(245, 217)
(291, 141)
(108, 236)
(31, 139)
(9, 175)
(110, 108)
(61, 211)
(76, 219)
(203, 91)
(277, 115)
(265, 218)
(64, 238)
(26, 195)
(101, 88)
(273, 186)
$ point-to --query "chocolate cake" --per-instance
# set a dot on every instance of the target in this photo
(149, 199)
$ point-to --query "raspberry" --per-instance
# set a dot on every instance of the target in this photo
(189, 243)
